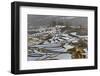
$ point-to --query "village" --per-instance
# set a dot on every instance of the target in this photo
(52, 37)
(49, 43)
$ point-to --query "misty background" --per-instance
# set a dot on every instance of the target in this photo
(46, 20)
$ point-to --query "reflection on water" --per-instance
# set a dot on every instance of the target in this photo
(55, 38)
(57, 47)
(50, 57)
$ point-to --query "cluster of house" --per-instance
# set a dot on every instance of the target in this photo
(42, 30)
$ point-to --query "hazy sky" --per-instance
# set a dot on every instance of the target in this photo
(43, 20)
